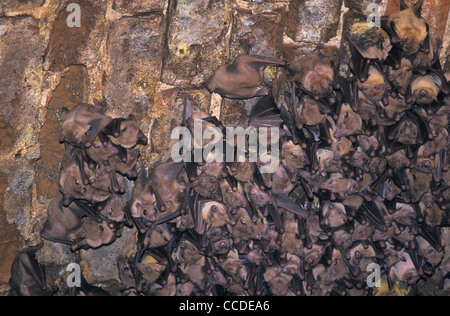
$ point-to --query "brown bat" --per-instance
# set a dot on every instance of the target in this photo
(126, 132)
(82, 124)
(246, 229)
(94, 234)
(243, 78)
(293, 157)
(75, 177)
(101, 151)
(402, 76)
(145, 200)
(309, 112)
(128, 168)
(316, 72)
(165, 180)
(28, 276)
(113, 208)
(63, 223)
(408, 30)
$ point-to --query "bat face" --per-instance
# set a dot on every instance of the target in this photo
(243, 171)
(81, 125)
(242, 78)
(278, 281)
(375, 87)
(315, 71)
(114, 209)
(404, 271)
(404, 215)
(215, 214)
(424, 90)
(188, 253)
(419, 183)
(334, 214)
(349, 123)
(398, 160)
(206, 185)
(130, 135)
(314, 255)
(245, 228)
(98, 152)
(407, 30)
(309, 112)
(429, 253)
(144, 206)
(98, 234)
(233, 200)
(294, 157)
(232, 264)
(126, 275)
(362, 232)
(128, 168)
(257, 196)
(401, 78)
(72, 184)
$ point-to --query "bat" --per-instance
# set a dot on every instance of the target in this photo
(126, 133)
(82, 124)
(243, 78)
(63, 223)
(171, 191)
(75, 178)
(408, 30)
(316, 72)
(100, 151)
(128, 168)
(94, 234)
(293, 157)
(401, 75)
(28, 276)
(113, 208)
(310, 112)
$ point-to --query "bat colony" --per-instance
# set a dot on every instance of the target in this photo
(364, 178)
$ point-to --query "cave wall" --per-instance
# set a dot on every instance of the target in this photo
(137, 55)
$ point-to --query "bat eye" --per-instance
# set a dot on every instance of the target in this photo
(110, 211)
(243, 222)
(123, 130)
(77, 182)
(100, 228)
(145, 212)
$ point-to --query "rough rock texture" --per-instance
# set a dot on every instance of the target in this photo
(138, 55)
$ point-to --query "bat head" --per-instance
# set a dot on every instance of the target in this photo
(114, 209)
(215, 214)
(144, 206)
(71, 184)
(99, 152)
(130, 134)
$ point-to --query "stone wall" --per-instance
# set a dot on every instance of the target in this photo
(136, 54)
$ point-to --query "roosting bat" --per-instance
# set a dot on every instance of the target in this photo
(129, 168)
(28, 276)
(126, 132)
(82, 124)
(145, 200)
(243, 78)
(407, 29)
(63, 223)
(316, 73)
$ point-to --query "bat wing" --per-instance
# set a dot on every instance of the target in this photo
(286, 203)
(266, 113)
(360, 64)
(258, 62)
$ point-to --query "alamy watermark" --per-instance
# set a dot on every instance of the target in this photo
(374, 18)
(74, 18)
(374, 278)
(74, 278)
